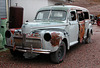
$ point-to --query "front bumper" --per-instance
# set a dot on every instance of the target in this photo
(32, 50)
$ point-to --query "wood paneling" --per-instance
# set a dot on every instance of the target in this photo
(16, 17)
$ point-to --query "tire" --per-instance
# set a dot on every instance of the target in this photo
(88, 39)
(16, 53)
(59, 55)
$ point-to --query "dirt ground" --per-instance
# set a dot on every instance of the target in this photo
(79, 56)
(92, 5)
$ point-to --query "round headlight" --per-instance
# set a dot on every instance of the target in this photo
(8, 34)
(47, 36)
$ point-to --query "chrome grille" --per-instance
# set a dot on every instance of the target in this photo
(18, 41)
(35, 43)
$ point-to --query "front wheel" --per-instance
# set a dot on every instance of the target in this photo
(60, 54)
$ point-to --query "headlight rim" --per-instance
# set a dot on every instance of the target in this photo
(8, 34)
(47, 37)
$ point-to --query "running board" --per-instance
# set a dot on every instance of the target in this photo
(72, 43)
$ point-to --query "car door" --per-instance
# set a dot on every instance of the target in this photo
(87, 21)
(81, 22)
(73, 27)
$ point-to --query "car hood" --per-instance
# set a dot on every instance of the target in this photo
(31, 26)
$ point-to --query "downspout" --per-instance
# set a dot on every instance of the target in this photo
(7, 10)
(8, 4)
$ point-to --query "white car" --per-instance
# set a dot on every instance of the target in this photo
(54, 30)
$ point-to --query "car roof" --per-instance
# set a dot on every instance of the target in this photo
(63, 7)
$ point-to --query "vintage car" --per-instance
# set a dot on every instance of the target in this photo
(98, 21)
(92, 17)
(54, 30)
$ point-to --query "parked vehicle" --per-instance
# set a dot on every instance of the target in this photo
(54, 30)
(92, 17)
(98, 21)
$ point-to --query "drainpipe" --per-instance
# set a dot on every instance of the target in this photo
(7, 10)
(8, 4)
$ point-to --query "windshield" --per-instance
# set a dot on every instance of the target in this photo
(51, 15)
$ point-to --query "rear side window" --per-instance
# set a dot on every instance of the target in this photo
(86, 15)
(80, 17)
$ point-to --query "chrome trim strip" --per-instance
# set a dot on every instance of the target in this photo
(50, 26)
(24, 40)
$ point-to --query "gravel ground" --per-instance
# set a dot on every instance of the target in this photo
(91, 5)
(79, 56)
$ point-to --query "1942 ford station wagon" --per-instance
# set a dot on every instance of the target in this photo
(54, 30)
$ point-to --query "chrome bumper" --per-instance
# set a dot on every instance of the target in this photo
(34, 50)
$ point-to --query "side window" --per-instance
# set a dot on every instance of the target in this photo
(86, 15)
(72, 16)
(80, 17)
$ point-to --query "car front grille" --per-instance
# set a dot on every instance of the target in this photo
(35, 43)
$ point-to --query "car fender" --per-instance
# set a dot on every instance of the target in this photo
(90, 29)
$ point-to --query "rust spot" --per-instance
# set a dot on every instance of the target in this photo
(55, 39)
(13, 30)
(82, 30)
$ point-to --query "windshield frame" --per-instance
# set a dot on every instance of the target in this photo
(50, 12)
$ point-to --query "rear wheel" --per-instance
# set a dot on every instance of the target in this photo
(88, 39)
(59, 55)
